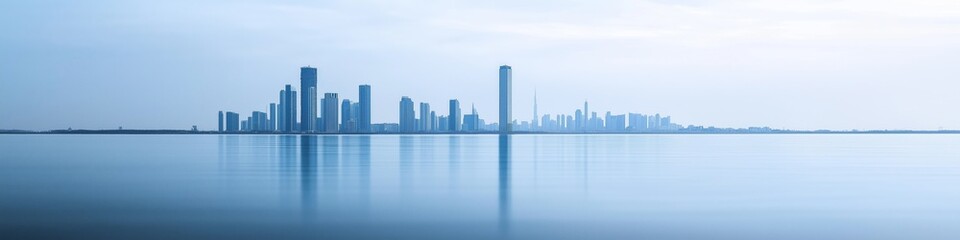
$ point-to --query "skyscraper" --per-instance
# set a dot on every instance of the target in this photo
(272, 123)
(424, 117)
(585, 122)
(308, 99)
(455, 121)
(347, 123)
(330, 111)
(536, 118)
(220, 121)
(290, 109)
(506, 101)
(233, 122)
(364, 124)
(471, 122)
(282, 112)
(407, 117)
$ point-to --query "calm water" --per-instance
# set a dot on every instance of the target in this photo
(480, 187)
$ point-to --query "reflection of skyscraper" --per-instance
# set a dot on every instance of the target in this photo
(504, 182)
(308, 99)
(455, 115)
(330, 101)
(364, 124)
(308, 174)
(506, 99)
(406, 115)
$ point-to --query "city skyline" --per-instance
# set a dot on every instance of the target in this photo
(802, 65)
(336, 116)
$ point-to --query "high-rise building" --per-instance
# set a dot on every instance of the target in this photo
(220, 121)
(348, 124)
(455, 115)
(442, 123)
(355, 116)
(433, 121)
(407, 117)
(282, 112)
(364, 124)
(233, 122)
(585, 121)
(289, 100)
(308, 99)
(330, 111)
(536, 118)
(471, 122)
(272, 123)
(506, 99)
(424, 124)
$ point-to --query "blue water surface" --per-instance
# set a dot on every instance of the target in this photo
(802, 186)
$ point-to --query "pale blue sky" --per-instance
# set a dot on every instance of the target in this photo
(814, 64)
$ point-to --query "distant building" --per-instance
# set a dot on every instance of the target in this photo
(308, 98)
(289, 101)
(407, 118)
(506, 99)
(220, 121)
(348, 123)
(443, 123)
(272, 123)
(330, 111)
(364, 124)
(471, 122)
(454, 116)
(233, 122)
(424, 123)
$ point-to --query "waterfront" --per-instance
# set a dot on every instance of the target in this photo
(863, 186)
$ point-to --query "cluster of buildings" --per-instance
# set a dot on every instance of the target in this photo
(325, 115)
(330, 114)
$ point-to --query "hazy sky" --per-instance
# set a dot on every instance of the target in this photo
(809, 64)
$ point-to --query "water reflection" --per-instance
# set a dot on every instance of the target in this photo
(406, 165)
(308, 176)
(504, 182)
(453, 165)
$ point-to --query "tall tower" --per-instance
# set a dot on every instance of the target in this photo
(506, 99)
(289, 108)
(330, 112)
(424, 124)
(533, 123)
(308, 99)
(455, 116)
(586, 116)
(406, 115)
(364, 124)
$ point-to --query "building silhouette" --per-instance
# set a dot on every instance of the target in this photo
(364, 124)
(424, 123)
(455, 121)
(233, 122)
(506, 99)
(308, 99)
(407, 118)
(330, 111)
